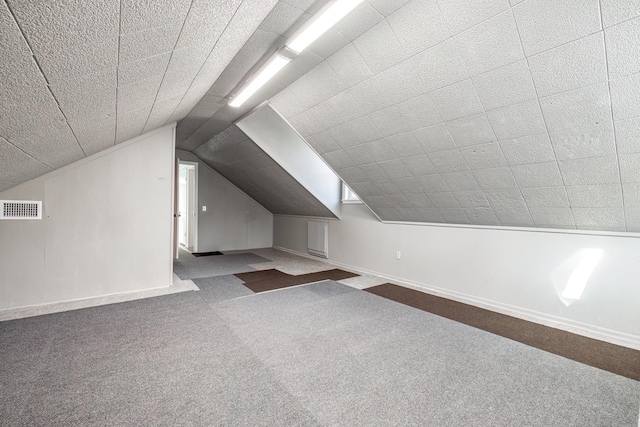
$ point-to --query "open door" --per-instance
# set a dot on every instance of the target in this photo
(187, 208)
(175, 208)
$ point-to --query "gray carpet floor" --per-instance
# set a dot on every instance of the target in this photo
(188, 266)
(315, 355)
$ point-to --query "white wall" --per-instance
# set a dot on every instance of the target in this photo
(106, 227)
(520, 273)
(233, 220)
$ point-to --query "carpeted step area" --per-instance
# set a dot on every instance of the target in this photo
(609, 357)
(268, 280)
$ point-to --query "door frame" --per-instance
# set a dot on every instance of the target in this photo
(193, 203)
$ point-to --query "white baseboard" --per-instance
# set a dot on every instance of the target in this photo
(584, 329)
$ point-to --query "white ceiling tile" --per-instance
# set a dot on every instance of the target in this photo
(570, 66)
(419, 165)
(457, 100)
(471, 199)
(323, 142)
(353, 175)
(514, 217)
(448, 160)
(349, 65)
(386, 185)
(387, 7)
(420, 112)
(471, 130)
(370, 95)
(142, 69)
(528, 149)
(413, 189)
(434, 138)
(359, 155)
(595, 170)
(338, 159)
(138, 94)
(460, 181)
(631, 193)
(579, 107)
(483, 216)
(358, 21)
(625, 97)
(287, 103)
(389, 121)
(17, 166)
(595, 196)
(493, 179)
(628, 135)
(605, 219)
(505, 198)
(463, 14)
(400, 82)
(517, 120)
(326, 115)
(432, 183)
(484, 156)
(346, 106)
(420, 200)
(623, 48)
(131, 123)
(545, 197)
(537, 175)
(379, 47)
(380, 150)
(490, 44)
(306, 124)
(404, 145)
(136, 15)
(630, 167)
(454, 216)
(616, 11)
(343, 136)
(366, 188)
(440, 66)
(147, 43)
(324, 81)
(364, 129)
(552, 217)
(504, 86)
(206, 21)
(444, 200)
(374, 172)
(394, 169)
(409, 27)
(543, 25)
(398, 201)
(632, 219)
(330, 43)
(589, 141)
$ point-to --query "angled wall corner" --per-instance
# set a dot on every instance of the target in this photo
(277, 138)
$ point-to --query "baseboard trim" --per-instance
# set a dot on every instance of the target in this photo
(590, 331)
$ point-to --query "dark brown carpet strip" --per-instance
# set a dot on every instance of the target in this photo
(268, 280)
(199, 254)
(610, 357)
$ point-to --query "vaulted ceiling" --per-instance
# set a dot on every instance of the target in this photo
(490, 112)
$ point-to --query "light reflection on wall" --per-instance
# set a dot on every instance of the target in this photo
(571, 277)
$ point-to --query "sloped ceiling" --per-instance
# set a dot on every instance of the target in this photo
(490, 112)
(485, 112)
(78, 76)
(248, 167)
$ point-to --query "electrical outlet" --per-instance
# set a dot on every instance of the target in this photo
(204, 209)
(398, 254)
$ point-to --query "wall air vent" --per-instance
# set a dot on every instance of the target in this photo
(20, 209)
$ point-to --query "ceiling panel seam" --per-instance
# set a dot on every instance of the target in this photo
(35, 60)
(25, 153)
(168, 63)
(615, 134)
(214, 46)
(546, 126)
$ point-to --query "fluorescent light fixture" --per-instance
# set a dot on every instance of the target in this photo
(263, 75)
(320, 23)
(580, 275)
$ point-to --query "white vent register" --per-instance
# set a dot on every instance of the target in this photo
(20, 209)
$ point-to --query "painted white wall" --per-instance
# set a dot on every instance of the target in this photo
(106, 227)
(520, 273)
(233, 220)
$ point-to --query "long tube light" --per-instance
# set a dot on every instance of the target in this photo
(264, 74)
(320, 23)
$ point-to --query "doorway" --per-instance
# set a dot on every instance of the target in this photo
(187, 205)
